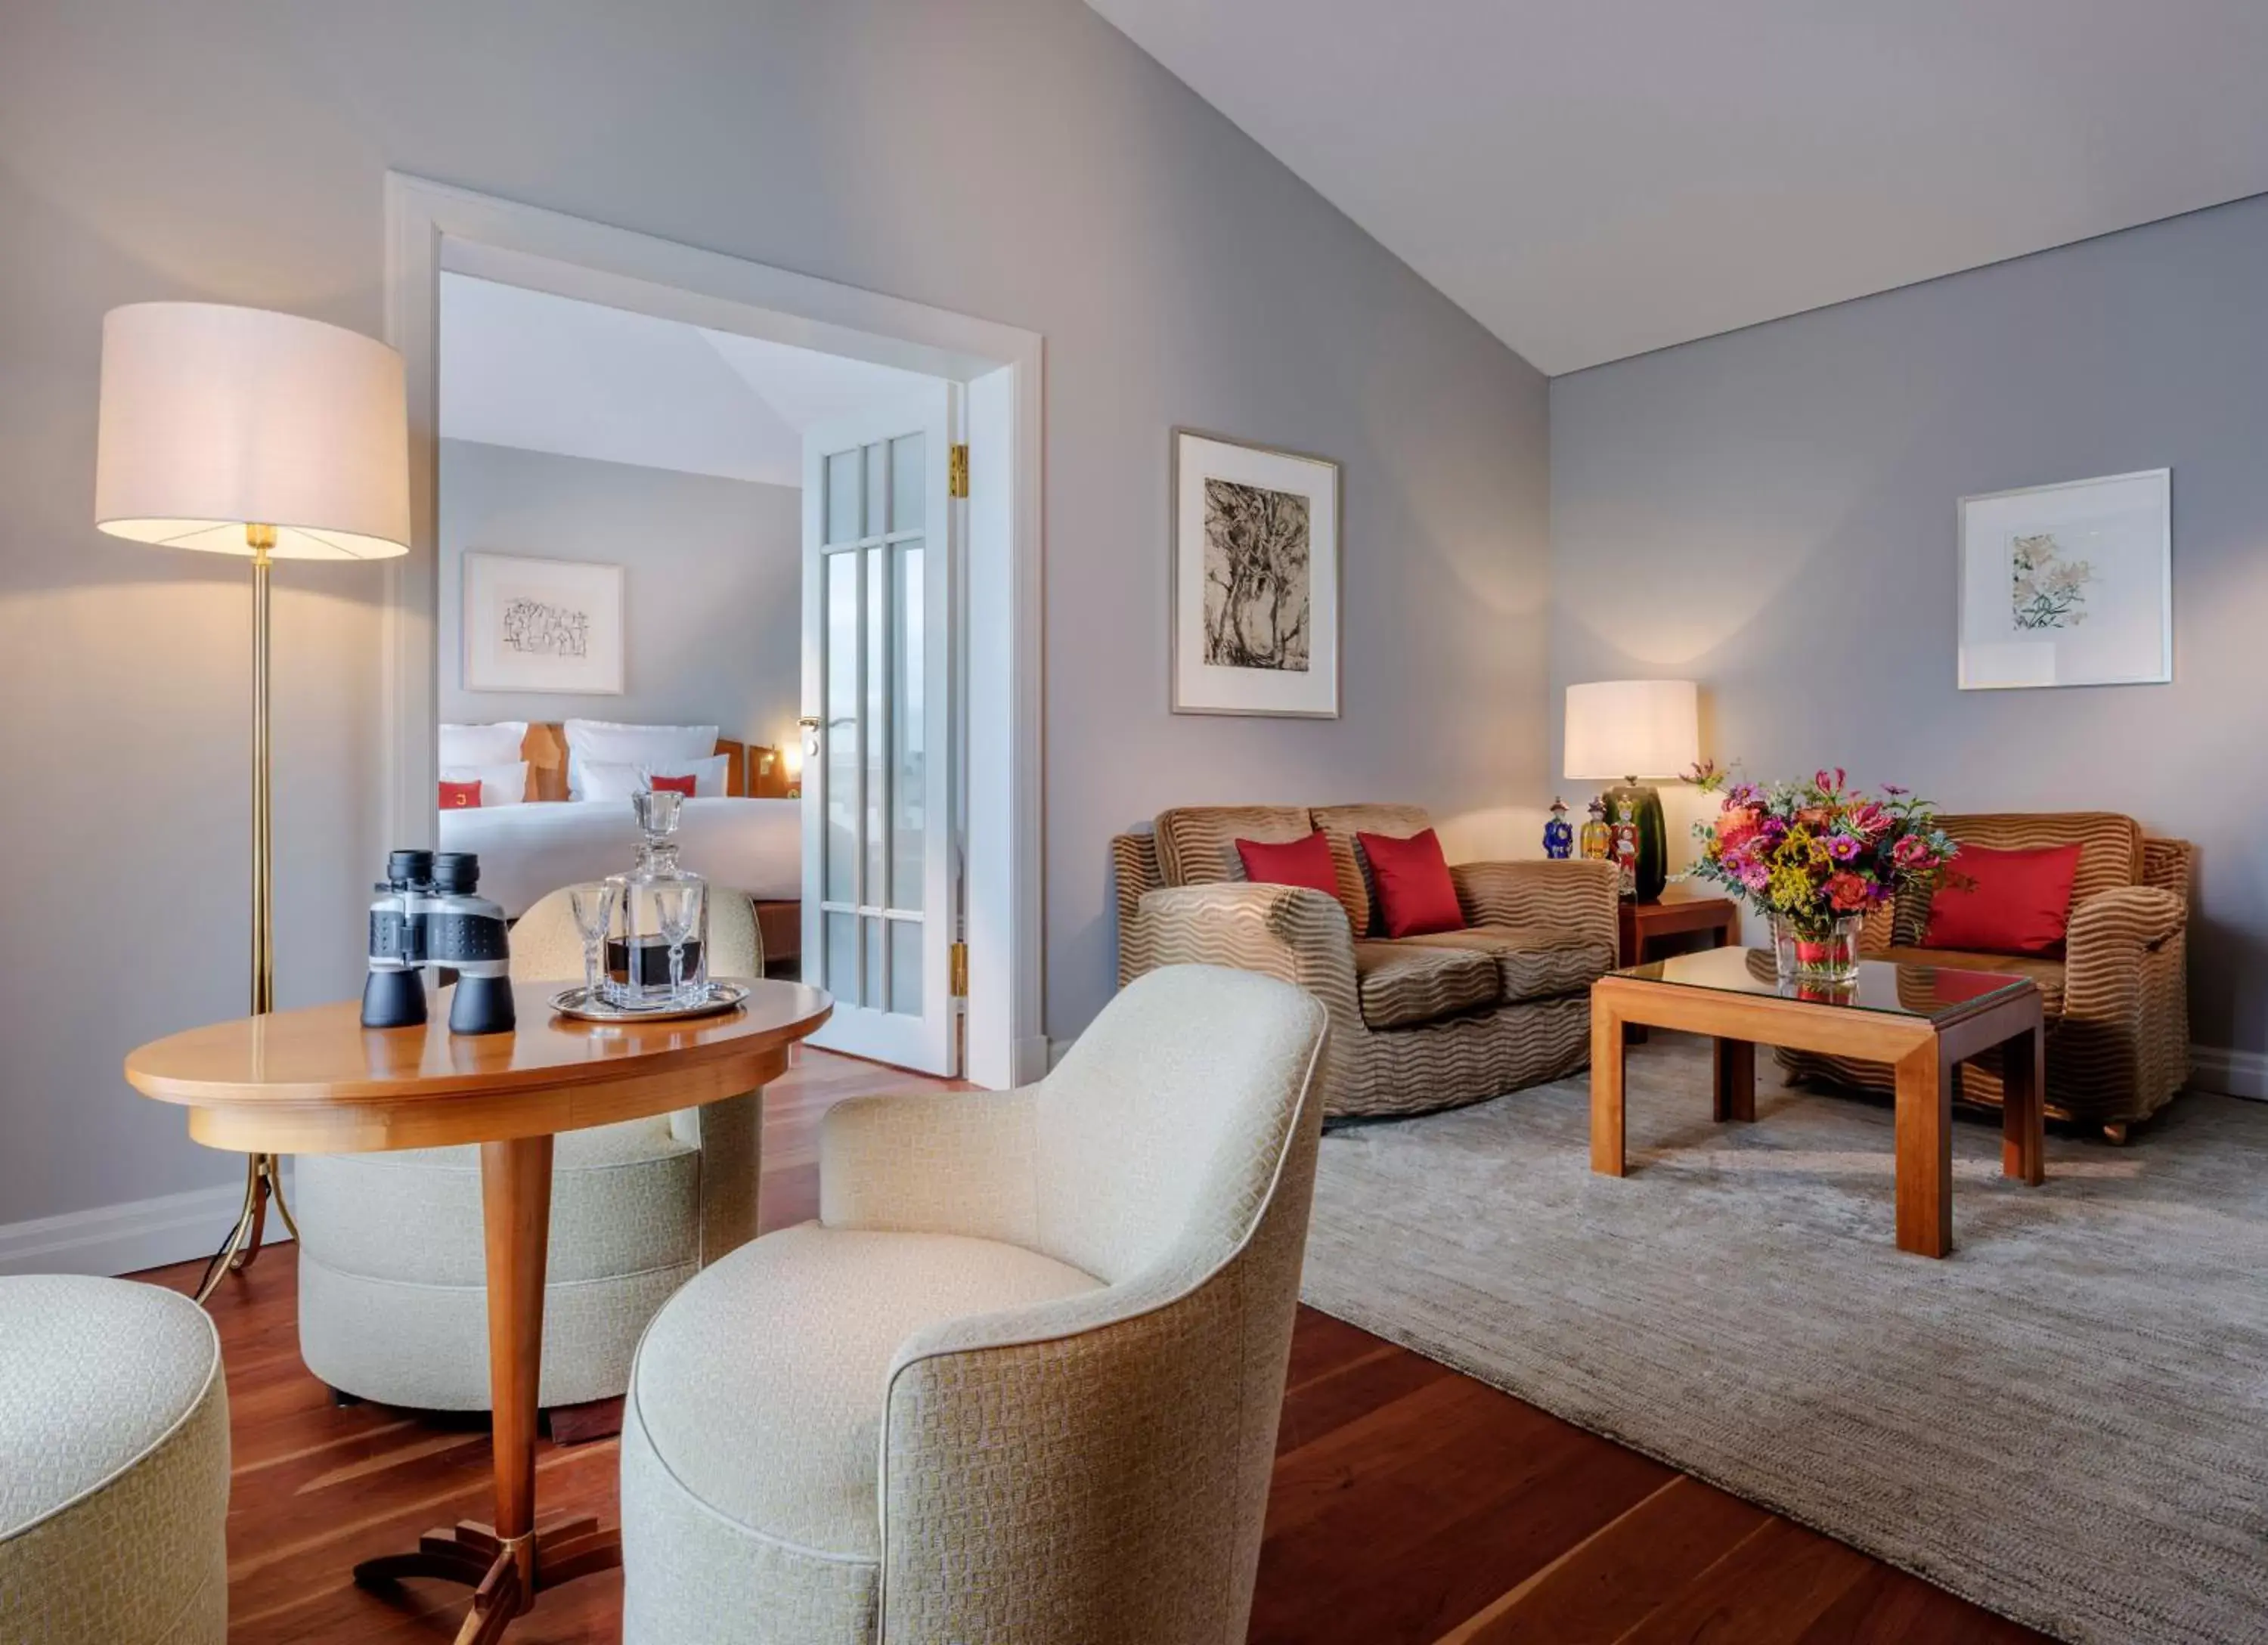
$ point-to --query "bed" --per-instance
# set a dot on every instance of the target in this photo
(749, 838)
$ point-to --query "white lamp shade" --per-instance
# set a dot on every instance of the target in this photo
(1618, 728)
(215, 418)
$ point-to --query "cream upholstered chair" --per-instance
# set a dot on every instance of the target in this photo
(1020, 1381)
(393, 1294)
(114, 1465)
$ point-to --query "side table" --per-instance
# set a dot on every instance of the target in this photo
(1678, 911)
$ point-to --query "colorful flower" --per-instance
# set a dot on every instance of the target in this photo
(1848, 893)
(1843, 848)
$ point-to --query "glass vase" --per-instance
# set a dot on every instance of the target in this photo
(1815, 953)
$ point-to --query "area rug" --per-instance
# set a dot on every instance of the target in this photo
(2067, 1421)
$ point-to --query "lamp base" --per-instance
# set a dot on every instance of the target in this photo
(1644, 803)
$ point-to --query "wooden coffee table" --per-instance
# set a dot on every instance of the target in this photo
(1920, 1020)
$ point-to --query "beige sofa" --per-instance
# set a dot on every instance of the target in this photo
(1021, 1380)
(1419, 1024)
(2117, 1000)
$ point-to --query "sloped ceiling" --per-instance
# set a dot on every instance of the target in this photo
(550, 374)
(1598, 179)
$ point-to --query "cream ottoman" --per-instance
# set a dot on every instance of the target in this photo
(114, 1466)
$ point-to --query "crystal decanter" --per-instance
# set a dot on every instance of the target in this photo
(639, 953)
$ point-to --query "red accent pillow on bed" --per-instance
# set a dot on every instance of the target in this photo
(460, 796)
(1415, 893)
(1305, 862)
(671, 785)
(2016, 902)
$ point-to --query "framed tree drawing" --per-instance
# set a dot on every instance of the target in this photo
(542, 625)
(1254, 616)
(2068, 585)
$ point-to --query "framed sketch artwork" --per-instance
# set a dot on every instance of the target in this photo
(2068, 585)
(542, 625)
(1255, 580)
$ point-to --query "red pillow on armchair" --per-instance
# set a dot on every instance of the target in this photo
(1415, 893)
(2013, 902)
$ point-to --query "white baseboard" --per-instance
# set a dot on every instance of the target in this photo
(2234, 1072)
(128, 1238)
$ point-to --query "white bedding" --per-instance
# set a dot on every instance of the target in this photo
(753, 845)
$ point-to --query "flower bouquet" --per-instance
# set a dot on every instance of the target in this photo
(1818, 858)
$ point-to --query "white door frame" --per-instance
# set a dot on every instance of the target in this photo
(432, 227)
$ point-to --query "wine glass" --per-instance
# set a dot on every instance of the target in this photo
(677, 910)
(593, 908)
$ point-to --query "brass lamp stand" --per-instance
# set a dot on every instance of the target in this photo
(263, 1178)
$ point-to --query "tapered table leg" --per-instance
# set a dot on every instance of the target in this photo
(1607, 1123)
(515, 1210)
(1735, 1085)
(1925, 1162)
(2023, 1113)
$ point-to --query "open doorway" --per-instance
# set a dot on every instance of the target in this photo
(576, 391)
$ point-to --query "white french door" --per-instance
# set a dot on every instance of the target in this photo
(880, 891)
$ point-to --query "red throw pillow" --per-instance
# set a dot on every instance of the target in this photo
(2016, 902)
(1291, 862)
(671, 785)
(1415, 893)
(460, 796)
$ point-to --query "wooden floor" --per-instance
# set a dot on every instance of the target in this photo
(1411, 1503)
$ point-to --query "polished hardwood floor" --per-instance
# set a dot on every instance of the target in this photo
(1411, 1503)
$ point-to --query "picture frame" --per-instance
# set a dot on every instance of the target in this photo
(2066, 585)
(1255, 578)
(542, 625)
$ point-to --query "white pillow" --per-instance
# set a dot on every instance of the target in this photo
(501, 784)
(619, 779)
(603, 741)
(482, 745)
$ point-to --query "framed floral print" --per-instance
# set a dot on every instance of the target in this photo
(2068, 585)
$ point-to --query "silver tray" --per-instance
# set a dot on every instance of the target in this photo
(577, 1003)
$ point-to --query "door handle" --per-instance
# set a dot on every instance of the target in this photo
(810, 724)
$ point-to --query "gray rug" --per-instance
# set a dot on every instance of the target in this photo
(2065, 1421)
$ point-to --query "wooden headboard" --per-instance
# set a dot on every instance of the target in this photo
(752, 769)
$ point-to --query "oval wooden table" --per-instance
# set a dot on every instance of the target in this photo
(317, 1081)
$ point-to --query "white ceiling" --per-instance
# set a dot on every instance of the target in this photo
(552, 373)
(1592, 179)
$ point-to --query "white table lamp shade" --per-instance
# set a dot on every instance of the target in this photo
(1618, 728)
(215, 417)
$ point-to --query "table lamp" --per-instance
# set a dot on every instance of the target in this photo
(1630, 729)
(238, 430)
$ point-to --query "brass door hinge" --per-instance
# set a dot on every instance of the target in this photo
(957, 472)
(959, 970)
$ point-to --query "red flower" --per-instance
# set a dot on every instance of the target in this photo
(1849, 894)
(1912, 854)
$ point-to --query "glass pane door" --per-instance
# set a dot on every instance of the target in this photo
(877, 794)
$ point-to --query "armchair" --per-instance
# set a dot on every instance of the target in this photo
(393, 1272)
(1417, 1024)
(1021, 1379)
(2116, 1000)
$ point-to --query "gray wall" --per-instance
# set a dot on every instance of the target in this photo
(711, 587)
(1771, 512)
(1017, 160)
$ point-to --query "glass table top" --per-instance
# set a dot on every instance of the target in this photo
(1910, 991)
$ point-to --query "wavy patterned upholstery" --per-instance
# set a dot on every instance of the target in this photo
(1340, 824)
(1398, 984)
(393, 1299)
(1416, 1043)
(1020, 1381)
(114, 1465)
(2116, 1002)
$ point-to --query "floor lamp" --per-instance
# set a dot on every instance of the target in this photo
(238, 430)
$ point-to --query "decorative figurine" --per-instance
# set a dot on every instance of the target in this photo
(1598, 839)
(1625, 828)
(1558, 836)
